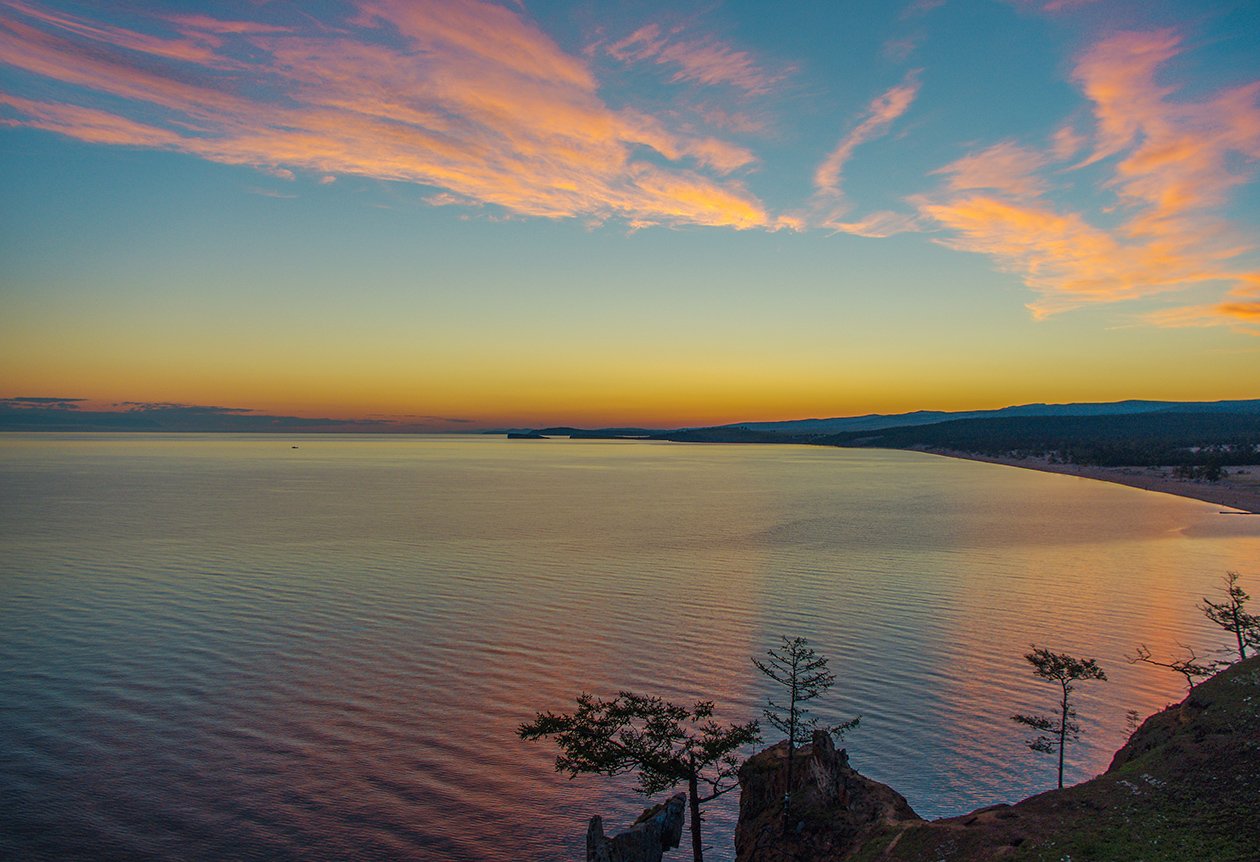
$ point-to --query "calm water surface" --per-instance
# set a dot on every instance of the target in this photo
(220, 646)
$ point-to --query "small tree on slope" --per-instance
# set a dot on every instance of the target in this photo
(1232, 615)
(1064, 670)
(804, 674)
(664, 743)
(1191, 667)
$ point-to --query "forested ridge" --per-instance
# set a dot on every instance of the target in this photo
(1163, 439)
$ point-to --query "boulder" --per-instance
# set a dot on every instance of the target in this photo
(656, 830)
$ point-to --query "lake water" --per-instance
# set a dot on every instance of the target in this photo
(225, 647)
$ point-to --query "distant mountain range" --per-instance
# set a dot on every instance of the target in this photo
(68, 414)
(879, 421)
(1203, 435)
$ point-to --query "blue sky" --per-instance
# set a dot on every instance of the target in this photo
(620, 213)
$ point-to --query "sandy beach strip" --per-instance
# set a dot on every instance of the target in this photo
(1240, 489)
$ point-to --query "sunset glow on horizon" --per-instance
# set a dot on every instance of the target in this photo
(461, 214)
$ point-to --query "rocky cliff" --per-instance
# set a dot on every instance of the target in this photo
(1186, 786)
(834, 807)
(658, 829)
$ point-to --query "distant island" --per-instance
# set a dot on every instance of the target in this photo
(1207, 450)
(585, 433)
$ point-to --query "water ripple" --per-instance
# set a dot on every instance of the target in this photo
(212, 648)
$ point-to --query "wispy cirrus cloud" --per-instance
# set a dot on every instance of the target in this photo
(878, 225)
(1239, 309)
(1168, 167)
(1064, 5)
(920, 7)
(68, 414)
(1004, 167)
(881, 113)
(41, 402)
(1051, 6)
(828, 206)
(466, 96)
(902, 48)
(705, 60)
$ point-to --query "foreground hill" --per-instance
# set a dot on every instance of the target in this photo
(1186, 786)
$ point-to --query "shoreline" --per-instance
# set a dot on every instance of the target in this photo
(1240, 492)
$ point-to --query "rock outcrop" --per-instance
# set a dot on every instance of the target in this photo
(658, 829)
(1184, 787)
(834, 808)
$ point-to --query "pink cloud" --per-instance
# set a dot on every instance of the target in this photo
(200, 26)
(1118, 76)
(86, 124)
(880, 224)
(1051, 6)
(1066, 143)
(1062, 5)
(921, 7)
(739, 122)
(880, 114)
(828, 207)
(901, 49)
(197, 49)
(465, 96)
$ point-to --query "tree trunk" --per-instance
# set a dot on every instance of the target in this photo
(693, 794)
(1063, 714)
(787, 791)
(1238, 629)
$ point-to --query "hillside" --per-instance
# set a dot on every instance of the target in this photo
(1167, 439)
(878, 421)
(1184, 787)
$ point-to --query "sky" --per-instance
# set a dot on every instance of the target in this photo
(462, 214)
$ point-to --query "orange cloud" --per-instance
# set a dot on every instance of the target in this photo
(1244, 316)
(705, 61)
(1240, 310)
(1006, 168)
(1170, 167)
(1246, 311)
(1060, 255)
(465, 96)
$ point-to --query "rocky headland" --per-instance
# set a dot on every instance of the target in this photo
(1186, 786)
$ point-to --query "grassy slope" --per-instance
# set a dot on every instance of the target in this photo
(1185, 787)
